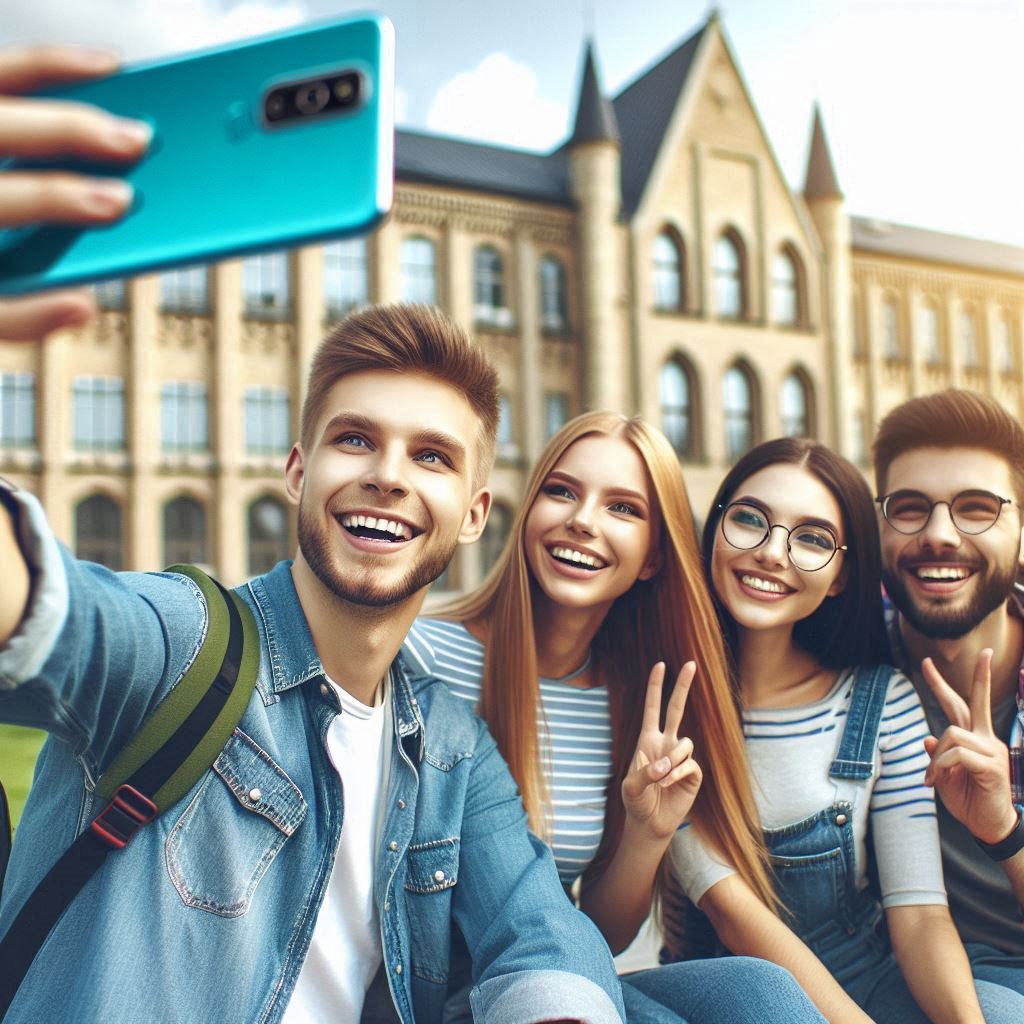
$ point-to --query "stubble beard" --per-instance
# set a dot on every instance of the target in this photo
(360, 587)
(945, 623)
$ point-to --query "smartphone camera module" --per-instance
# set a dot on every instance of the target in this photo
(337, 93)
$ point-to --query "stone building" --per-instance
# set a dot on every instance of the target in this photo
(657, 261)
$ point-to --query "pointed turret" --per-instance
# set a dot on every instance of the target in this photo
(595, 119)
(821, 181)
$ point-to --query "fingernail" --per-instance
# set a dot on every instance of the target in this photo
(109, 196)
(129, 135)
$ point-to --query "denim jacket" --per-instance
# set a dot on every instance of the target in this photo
(207, 915)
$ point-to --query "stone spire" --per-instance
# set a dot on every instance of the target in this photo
(595, 119)
(821, 182)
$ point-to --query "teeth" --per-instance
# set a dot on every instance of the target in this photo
(400, 530)
(768, 586)
(942, 572)
(577, 558)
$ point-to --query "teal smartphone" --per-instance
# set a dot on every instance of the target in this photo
(266, 144)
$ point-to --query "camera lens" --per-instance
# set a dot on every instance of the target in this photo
(275, 106)
(346, 89)
(312, 97)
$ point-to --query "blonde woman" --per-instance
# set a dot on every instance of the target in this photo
(601, 579)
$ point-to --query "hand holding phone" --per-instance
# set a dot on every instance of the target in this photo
(36, 129)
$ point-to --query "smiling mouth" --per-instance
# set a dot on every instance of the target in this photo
(577, 559)
(379, 528)
(941, 573)
(762, 585)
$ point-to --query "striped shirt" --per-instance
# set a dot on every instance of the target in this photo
(573, 727)
(790, 751)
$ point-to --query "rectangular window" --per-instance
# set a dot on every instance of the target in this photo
(17, 410)
(265, 285)
(556, 412)
(506, 442)
(111, 294)
(267, 422)
(345, 277)
(183, 418)
(184, 291)
(98, 413)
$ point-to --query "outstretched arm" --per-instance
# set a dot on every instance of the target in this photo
(657, 795)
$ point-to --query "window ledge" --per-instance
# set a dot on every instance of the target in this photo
(191, 461)
(85, 460)
(20, 458)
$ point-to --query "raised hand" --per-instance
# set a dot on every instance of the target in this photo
(39, 129)
(970, 765)
(663, 779)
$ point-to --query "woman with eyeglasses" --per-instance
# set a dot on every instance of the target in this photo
(835, 744)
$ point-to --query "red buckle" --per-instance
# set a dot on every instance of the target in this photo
(126, 813)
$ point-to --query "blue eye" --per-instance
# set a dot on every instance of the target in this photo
(749, 517)
(352, 440)
(558, 491)
(622, 508)
(814, 537)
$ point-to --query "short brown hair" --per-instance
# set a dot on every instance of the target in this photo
(954, 418)
(405, 338)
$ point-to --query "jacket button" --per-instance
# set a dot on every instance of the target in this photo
(392, 846)
(840, 819)
(401, 805)
(398, 968)
(438, 876)
(324, 689)
(255, 795)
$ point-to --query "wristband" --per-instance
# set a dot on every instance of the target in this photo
(1007, 847)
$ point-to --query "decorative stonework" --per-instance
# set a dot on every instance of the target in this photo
(267, 336)
(184, 332)
(111, 328)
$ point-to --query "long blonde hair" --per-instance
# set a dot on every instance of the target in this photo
(669, 617)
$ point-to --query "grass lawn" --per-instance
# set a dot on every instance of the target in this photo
(18, 750)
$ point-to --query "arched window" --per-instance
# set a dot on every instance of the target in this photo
(969, 354)
(669, 293)
(931, 350)
(489, 303)
(268, 534)
(418, 261)
(738, 411)
(98, 535)
(184, 532)
(795, 406)
(499, 523)
(729, 275)
(677, 400)
(553, 303)
(892, 342)
(787, 293)
(346, 281)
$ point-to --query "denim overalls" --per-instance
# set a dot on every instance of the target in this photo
(813, 859)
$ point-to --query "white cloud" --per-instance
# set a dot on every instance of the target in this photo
(142, 29)
(498, 101)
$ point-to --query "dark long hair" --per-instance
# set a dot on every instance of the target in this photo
(849, 628)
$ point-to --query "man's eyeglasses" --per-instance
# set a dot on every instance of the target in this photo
(811, 546)
(972, 512)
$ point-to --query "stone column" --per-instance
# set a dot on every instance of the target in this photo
(531, 385)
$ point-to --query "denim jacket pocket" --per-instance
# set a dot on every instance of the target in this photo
(432, 872)
(811, 885)
(232, 829)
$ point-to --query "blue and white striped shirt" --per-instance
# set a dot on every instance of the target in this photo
(573, 727)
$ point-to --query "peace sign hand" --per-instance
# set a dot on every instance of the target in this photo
(970, 765)
(663, 779)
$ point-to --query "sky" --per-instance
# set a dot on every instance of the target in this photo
(921, 98)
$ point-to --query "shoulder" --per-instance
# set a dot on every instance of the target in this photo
(438, 647)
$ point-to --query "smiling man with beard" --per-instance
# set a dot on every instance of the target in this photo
(949, 469)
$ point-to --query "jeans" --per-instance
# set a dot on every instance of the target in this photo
(728, 990)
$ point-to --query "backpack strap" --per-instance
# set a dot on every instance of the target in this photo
(172, 750)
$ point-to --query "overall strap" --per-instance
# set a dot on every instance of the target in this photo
(172, 750)
(856, 757)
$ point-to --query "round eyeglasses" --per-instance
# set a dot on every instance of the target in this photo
(972, 512)
(811, 546)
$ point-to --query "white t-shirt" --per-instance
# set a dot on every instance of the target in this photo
(345, 951)
(790, 751)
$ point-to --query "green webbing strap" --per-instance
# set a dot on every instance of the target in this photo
(169, 716)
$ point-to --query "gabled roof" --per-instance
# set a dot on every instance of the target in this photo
(878, 236)
(643, 109)
(821, 181)
(438, 160)
(595, 119)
